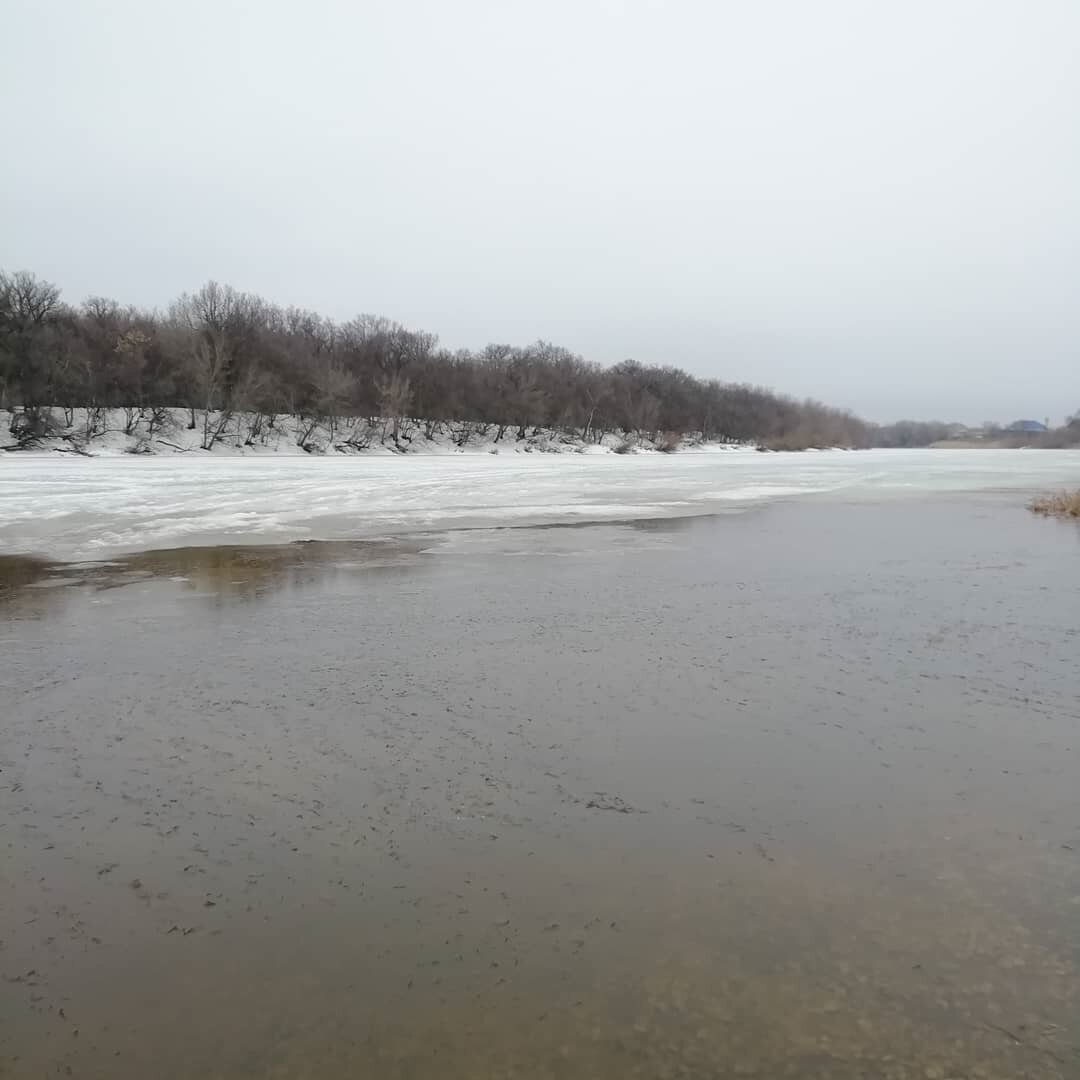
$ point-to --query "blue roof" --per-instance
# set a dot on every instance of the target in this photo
(1027, 425)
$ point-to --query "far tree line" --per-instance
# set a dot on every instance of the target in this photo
(910, 433)
(218, 352)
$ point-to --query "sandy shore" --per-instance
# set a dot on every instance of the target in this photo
(784, 793)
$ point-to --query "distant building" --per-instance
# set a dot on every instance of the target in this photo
(1028, 427)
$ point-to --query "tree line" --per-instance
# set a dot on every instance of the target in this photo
(909, 433)
(218, 352)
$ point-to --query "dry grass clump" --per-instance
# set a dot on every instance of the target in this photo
(1059, 504)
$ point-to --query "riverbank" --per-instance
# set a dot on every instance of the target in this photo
(166, 431)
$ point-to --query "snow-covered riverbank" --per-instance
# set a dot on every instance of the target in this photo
(109, 432)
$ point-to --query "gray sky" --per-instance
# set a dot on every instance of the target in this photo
(876, 203)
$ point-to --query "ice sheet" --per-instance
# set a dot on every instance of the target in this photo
(91, 508)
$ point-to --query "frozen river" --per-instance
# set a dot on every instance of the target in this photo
(78, 508)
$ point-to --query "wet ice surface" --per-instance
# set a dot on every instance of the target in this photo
(79, 508)
(786, 793)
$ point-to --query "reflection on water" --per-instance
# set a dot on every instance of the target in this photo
(35, 587)
(791, 794)
(18, 571)
(250, 572)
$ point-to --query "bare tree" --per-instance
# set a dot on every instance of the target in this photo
(334, 387)
(207, 364)
(395, 394)
(27, 348)
(26, 299)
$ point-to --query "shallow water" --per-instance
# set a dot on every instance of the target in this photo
(790, 792)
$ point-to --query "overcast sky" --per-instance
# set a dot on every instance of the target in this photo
(875, 202)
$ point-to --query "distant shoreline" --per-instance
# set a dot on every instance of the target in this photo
(993, 444)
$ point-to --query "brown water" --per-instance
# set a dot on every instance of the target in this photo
(792, 793)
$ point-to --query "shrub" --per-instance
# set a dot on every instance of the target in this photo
(1061, 504)
(31, 425)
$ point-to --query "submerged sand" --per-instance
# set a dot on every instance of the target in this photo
(785, 793)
